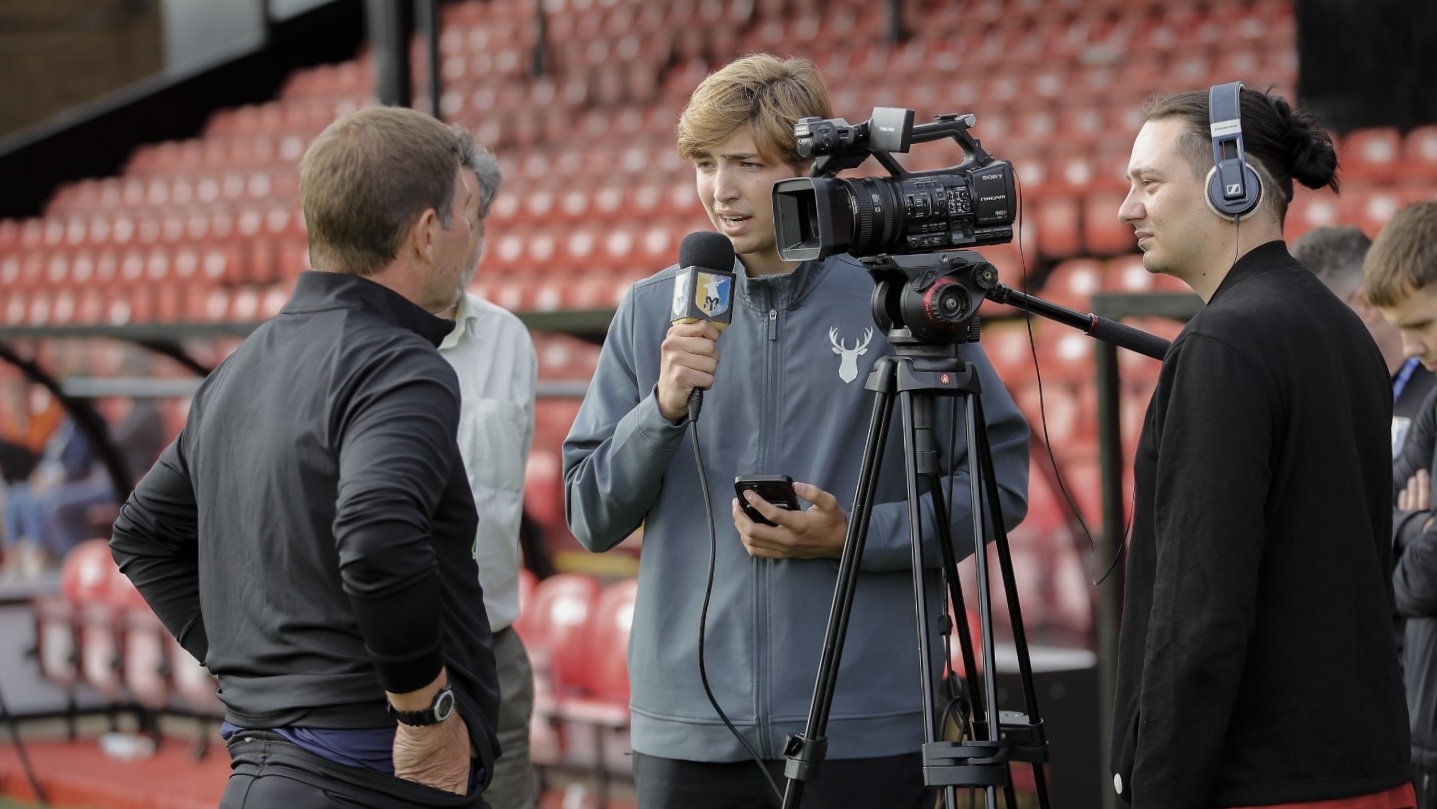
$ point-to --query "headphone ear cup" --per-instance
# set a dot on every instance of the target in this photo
(1235, 209)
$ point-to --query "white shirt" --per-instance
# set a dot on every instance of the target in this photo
(494, 356)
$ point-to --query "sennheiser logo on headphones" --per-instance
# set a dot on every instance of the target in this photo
(1234, 189)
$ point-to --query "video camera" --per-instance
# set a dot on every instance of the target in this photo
(967, 205)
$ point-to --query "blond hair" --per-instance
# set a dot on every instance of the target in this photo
(761, 91)
(1403, 258)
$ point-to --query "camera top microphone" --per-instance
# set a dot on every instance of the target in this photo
(703, 287)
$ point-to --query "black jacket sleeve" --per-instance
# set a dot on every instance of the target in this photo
(1213, 478)
(1417, 454)
(154, 543)
(1414, 582)
(396, 451)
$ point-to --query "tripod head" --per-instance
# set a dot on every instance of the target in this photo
(929, 300)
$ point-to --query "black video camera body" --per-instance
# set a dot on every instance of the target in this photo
(967, 205)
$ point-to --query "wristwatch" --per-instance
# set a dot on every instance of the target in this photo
(437, 712)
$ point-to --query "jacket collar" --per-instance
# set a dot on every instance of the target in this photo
(317, 291)
(1260, 260)
(784, 291)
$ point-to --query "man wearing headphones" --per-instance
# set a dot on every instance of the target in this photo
(1256, 663)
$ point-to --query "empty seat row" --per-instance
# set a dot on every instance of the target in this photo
(163, 303)
(98, 632)
(261, 259)
(576, 631)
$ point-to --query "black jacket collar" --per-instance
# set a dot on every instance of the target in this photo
(1259, 260)
(317, 291)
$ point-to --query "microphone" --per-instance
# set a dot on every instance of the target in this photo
(703, 289)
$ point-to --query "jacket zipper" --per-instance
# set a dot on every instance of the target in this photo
(764, 571)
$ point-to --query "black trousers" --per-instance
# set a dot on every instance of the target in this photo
(894, 782)
(268, 772)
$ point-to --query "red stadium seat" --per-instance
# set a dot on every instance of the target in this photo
(600, 699)
(1103, 233)
(1370, 156)
(98, 627)
(1058, 226)
(84, 580)
(1371, 209)
(1419, 155)
(1311, 209)
(554, 629)
(1008, 349)
(553, 625)
(143, 647)
(1128, 274)
(1073, 283)
(544, 489)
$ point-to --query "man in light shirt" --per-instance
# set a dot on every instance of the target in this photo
(494, 357)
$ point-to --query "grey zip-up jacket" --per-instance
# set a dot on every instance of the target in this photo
(788, 398)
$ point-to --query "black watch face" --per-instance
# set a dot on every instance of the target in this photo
(444, 705)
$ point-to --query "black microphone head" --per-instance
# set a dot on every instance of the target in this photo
(706, 249)
(703, 286)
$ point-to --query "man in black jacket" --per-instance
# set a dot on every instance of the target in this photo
(308, 535)
(1256, 662)
(1400, 277)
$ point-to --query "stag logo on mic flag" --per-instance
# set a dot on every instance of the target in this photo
(712, 294)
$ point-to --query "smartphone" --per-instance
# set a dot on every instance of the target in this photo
(776, 489)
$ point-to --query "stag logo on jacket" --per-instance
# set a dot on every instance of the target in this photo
(848, 357)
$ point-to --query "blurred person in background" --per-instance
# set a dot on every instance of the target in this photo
(1400, 278)
(1335, 253)
(493, 355)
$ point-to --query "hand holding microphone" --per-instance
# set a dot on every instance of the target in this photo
(702, 307)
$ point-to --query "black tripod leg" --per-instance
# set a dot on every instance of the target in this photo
(805, 751)
(985, 606)
(977, 722)
(1035, 739)
(919, 461)
(960, 616)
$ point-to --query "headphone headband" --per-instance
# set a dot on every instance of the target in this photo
(1233, 188)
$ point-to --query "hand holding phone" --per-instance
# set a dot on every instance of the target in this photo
(776, 489)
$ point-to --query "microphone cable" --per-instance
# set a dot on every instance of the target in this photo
(694, 399)
(1043, 419)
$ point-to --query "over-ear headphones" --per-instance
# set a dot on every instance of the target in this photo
(1233, 188)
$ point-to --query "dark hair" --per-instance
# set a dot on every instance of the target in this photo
(1403, 259)
(1334, 253)
(1282, 144)
(369, 175)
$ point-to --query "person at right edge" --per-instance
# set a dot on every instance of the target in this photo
(309, 535)
(787, 398)
(1335, 254)
(1256, 662)
(1400, 278)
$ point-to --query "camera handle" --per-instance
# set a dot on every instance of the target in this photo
(915, 381)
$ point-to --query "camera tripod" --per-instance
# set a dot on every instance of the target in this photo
(914, 376)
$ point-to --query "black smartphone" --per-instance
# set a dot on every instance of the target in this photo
(776, 489)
